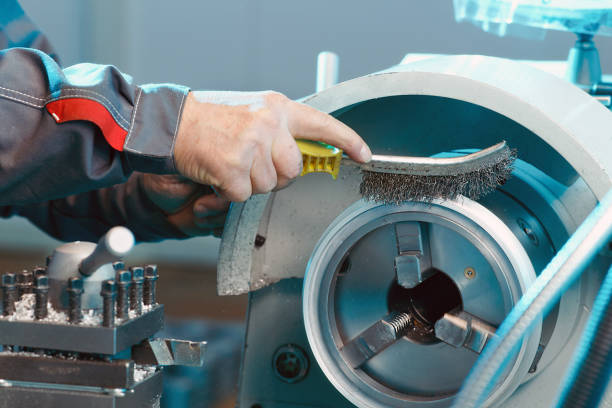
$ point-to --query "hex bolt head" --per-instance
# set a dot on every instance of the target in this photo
(75, 283)
(39, 270)
(108, 288)
(119, 265)
(8, 279)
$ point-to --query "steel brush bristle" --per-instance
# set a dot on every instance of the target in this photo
(393, 179)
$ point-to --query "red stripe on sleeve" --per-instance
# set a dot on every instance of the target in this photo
(65, 110)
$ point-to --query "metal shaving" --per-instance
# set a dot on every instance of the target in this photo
(392, 188)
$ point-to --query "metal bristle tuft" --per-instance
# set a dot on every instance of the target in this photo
(391, 188)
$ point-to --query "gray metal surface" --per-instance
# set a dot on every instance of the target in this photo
(168, 352)
(80, 338)
(71, 371)
(338, 307)
(461, 329)
(145, 394)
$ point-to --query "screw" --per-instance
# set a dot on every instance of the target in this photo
(124, 281)
(9, 294)
(150, 285)
(137, 289)
(75, 290)
(108, 293)
(469, 272)
(259, 240)
(25, 279)
(528, 231)
(290, 363)
(41, 292)
(39, 271)
(119, 265)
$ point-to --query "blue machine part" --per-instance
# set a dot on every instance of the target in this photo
(532, 17)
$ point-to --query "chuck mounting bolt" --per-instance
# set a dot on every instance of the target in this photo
(9, 293)
(137, 289)
(124, 281)
(75, 291)
(41, 293)
(150, 285)
(108, 293)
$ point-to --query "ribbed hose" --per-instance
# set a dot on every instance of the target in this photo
(558, 276)
(589, 374)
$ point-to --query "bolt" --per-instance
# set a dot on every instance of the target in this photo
(25, 279)
(150, 285)
(469, 273)
(528, 231)
(39, 271)
(41, 292)
(75, 291)
(137, 289)
(119, 265)
(108, 293)
(124, 282)
(9, 294)
(259, 240)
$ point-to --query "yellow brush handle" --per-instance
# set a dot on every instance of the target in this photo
(319, 158)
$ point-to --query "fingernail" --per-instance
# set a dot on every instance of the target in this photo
(365, 153)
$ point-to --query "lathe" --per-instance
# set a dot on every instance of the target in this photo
(357, 303)
(354, 303)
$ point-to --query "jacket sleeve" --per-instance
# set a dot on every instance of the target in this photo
(89, 215)
(82, 128)
(79, 133)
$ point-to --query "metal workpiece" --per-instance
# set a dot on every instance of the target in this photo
(75, 290)
(116, 243)
(31, 367)
(376, 338)
(41, 296)
(9, 293)
(25, 280)
(169, 352)
(461, 329)
(108, 292)
(82, 338)
(150, 285)
(413, 264)
(124, 284)
(136, 292)
(327, 70)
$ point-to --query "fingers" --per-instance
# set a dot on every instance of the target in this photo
(287, 160)
(210, 204)
(308, 123)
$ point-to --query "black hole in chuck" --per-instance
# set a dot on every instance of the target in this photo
(425, 303)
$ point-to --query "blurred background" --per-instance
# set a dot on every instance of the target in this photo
(243, 45)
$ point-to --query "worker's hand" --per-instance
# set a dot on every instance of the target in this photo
(242, 143)
(194, 209)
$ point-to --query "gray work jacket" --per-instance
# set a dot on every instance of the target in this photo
(73, 140)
